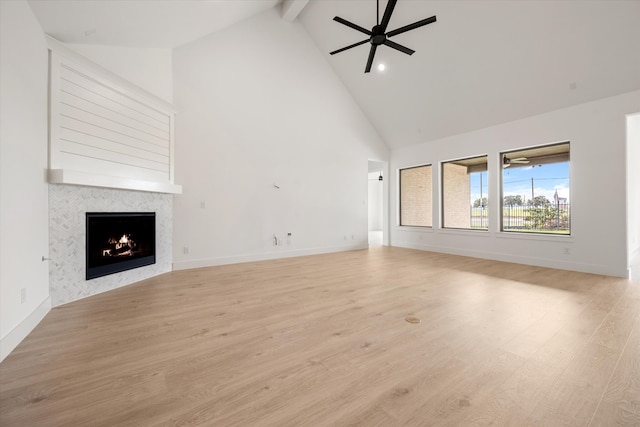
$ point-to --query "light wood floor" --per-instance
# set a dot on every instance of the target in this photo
(323, 341)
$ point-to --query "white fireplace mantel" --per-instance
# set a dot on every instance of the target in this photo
(65, 176)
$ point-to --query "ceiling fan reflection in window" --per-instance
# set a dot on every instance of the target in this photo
(379, 35)
(506, 162)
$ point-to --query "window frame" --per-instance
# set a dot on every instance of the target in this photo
(443, 195)
(400, 170)
(520, 152)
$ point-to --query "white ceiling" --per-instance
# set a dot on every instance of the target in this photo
(141, 23)
(482, 63)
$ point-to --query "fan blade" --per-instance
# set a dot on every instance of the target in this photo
(411, 26)
(399, 47)
(391, 4)
(372, 53)
(349, 47)
(352, 25)
(522, 162)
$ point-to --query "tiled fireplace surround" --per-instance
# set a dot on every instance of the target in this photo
(67, 207)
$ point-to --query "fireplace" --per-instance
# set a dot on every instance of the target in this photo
(119, 241)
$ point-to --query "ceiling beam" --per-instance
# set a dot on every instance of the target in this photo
(292, 8)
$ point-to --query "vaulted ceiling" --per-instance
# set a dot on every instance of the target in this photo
(141, 23)
(482, 63)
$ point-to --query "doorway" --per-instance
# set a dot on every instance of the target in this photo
(377, 185)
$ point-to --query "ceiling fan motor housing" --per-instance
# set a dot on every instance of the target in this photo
(378, 36)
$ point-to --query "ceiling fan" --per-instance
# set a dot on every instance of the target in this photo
(379, 35)
(506, 162)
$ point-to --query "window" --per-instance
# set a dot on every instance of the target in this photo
(535, 190)
(465, 194)
(415, 196)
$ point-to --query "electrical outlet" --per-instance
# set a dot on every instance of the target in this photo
(23, 295)
(566, 251)
(185, 250)
(203, 205)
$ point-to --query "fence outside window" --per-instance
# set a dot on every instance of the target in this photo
(551, 218)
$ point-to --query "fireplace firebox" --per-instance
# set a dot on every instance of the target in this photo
(119, 241)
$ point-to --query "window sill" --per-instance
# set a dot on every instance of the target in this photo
(421, 229)
(514, 235)
(464, 231)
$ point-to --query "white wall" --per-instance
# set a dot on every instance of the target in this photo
(23, 161)
(598, 241)
(147, 68)
(633, 193)
(259, 105)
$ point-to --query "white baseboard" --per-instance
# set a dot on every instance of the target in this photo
(24, 328)
(538, 262)
(212, 262)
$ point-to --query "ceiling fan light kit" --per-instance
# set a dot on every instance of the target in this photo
(379, 34)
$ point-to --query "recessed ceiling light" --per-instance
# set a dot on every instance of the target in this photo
(381, 67)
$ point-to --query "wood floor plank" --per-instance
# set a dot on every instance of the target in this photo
(575, 396)
(323, 340)
(620, 402)
(552, 343)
